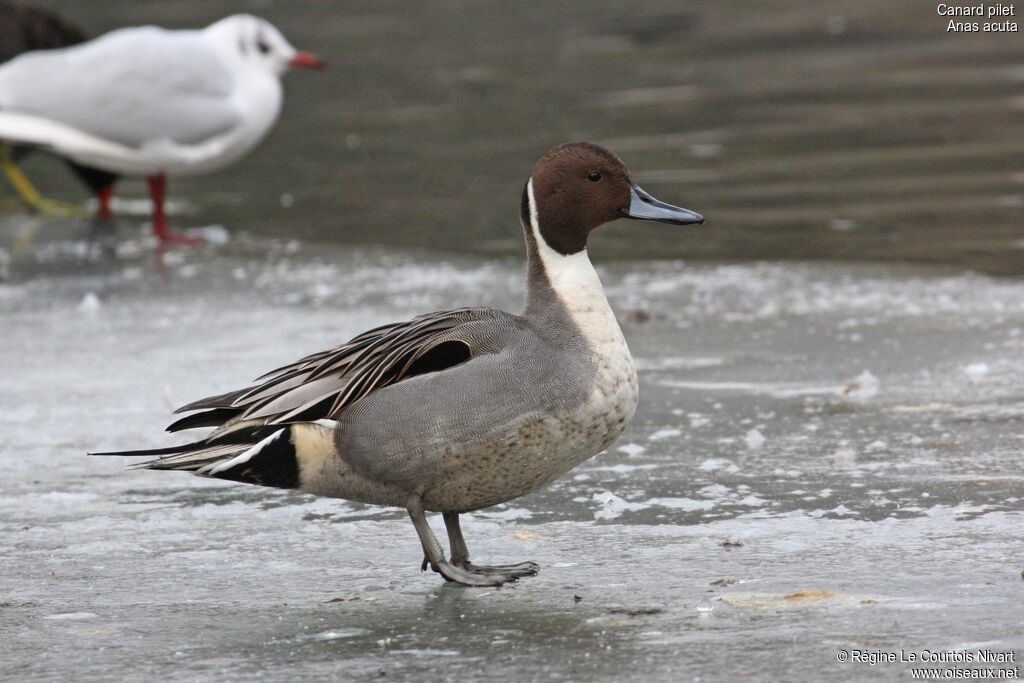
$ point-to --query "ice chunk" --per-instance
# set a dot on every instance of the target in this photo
(712, 464)
(976, 371)
(632, 449)
(90, 304)
(664, 434)
(213, 234)
(613, 506)
(844, 456)
(862, 387)
(71, 616)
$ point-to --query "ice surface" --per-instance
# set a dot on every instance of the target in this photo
(754, 439)
(754, 520)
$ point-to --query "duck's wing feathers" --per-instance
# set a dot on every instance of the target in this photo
(320, 387)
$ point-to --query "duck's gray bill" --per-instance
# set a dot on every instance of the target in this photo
(645, 207)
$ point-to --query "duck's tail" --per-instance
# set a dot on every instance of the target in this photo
(263, 455)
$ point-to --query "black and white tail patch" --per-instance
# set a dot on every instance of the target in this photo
(271, 462)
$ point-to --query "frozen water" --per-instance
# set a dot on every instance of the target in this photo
(754, 439)
(763, 512)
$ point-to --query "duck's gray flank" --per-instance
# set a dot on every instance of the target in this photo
(456, 410)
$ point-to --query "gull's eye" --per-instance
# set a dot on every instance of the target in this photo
(262, 46)
(594, 176)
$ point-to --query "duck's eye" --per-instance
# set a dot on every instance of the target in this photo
(262, 46)
(594, 176)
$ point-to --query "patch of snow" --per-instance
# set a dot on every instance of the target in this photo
(631, 449)
(90, 304)
(862, 387)
(664, 434)
(612, 506)
(715, 464)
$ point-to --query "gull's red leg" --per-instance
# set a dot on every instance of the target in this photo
(104, 196)
(157, 192)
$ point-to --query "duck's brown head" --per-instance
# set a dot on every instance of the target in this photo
(578, 186)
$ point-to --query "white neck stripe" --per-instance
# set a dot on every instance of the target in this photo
(572, 277)
(548, 256)
(576, 284)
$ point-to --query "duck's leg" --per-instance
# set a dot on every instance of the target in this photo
(460, 554)
(157, 190)
(434, 554)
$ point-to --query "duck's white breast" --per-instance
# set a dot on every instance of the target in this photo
(614, 393)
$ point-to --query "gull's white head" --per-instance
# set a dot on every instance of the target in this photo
(258, 44)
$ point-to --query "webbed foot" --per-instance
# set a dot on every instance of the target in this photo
(460, 569)
(473, 575)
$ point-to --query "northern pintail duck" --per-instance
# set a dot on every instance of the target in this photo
(456, 410)
(149, 101)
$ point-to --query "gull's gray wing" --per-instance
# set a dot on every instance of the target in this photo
(129, 86)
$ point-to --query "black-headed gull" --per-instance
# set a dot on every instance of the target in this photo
(152, 102)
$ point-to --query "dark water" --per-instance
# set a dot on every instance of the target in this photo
(841, 130)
